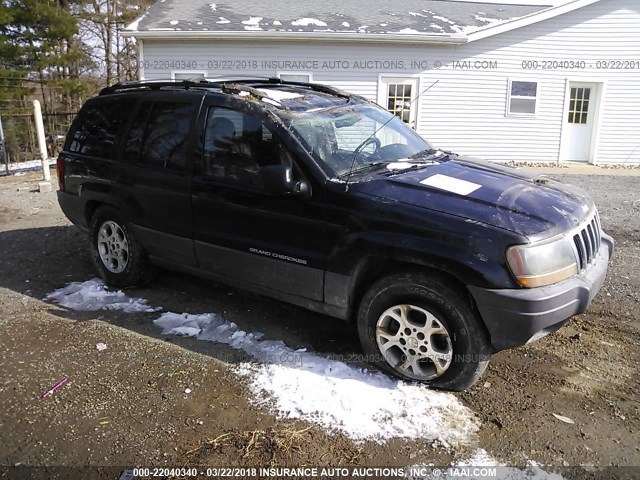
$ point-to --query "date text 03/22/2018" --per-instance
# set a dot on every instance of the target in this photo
(580, 64)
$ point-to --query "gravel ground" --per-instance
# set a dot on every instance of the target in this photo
(126, 405)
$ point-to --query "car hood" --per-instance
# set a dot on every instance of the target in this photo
(530, 205)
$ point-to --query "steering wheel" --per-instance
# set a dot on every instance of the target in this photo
(363, 145)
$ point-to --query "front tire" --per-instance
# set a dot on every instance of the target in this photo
(421, 328)
(120, 259)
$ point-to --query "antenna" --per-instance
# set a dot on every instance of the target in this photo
(355, 154)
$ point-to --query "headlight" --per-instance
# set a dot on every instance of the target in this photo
(542, 264)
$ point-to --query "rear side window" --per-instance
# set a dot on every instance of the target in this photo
(133, 145)
(96, 133)
(166, 140)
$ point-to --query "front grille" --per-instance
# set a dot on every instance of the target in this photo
(587, 242)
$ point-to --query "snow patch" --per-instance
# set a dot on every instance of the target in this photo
(277, 23)
(133, 26)
(301, 385)
(297, 384)
(24, 166)
(485, 19)
(443, 19)
(173, 22)
(408, 31)
(279, 94)
(252, 27)
(93, 295)
(305, 22)
(214, 7)
(346, 24)
(252, 21)
(223, 20)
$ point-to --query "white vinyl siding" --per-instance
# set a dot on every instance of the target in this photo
(467, 110)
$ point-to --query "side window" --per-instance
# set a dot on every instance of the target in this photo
(236, 146)
(133, 144)
(166, 140)
(97, 131)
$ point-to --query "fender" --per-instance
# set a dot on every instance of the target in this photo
(93, 193)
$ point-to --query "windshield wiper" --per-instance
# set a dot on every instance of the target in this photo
(370, 166)
(424, 153)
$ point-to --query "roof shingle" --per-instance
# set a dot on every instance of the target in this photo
(411, 17)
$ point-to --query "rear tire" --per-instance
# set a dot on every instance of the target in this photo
(120, 259)
(422, 328)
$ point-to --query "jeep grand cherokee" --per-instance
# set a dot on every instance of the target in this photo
(323, 199)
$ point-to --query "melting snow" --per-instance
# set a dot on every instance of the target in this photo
(93, 295)
(303, 385)
(444, 19)
(408, 31)
(305, 22)
(279, 94)
(134, 25)
(485, 19)
(252, 21)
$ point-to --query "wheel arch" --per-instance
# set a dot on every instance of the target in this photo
(374, 267)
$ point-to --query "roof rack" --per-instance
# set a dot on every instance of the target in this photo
(154, 85)
(250, 85)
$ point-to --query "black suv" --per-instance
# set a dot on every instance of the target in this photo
(320, 198)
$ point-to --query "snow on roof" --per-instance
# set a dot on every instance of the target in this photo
(411, 17)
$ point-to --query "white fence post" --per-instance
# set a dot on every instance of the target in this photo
(42, 143)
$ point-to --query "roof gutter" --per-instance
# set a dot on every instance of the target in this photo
(455, 38)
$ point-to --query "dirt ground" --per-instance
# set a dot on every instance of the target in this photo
(126, 406)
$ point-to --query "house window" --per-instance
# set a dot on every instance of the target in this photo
(399, 100)
(398, 95)
(295, 77)
(522, 98)
(579, 105)
(187, 75)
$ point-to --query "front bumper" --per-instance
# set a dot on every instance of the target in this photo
(516, 317)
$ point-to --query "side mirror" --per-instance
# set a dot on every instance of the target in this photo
(278, 180)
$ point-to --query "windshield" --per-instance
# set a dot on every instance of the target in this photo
(362, 136)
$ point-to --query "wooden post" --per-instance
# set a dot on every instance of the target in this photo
(4, 147)
(42, 143)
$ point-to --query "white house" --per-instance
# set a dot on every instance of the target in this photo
(495, 80)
